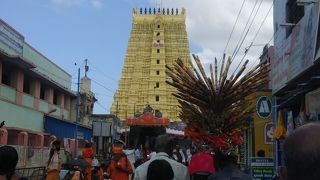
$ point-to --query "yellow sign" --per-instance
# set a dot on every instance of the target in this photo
(261, 134)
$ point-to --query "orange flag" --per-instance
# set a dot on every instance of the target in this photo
(280, 131)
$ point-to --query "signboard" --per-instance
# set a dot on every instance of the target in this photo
(263, 107)
(262, 168)
(268, 133)
(11, 38)
(80, 135)
(296, 53)
(102, 128)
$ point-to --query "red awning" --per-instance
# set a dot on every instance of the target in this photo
(147, 119)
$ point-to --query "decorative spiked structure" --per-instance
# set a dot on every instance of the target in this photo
(215, 108)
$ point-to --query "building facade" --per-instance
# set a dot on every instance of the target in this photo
(295, 68)
(37, 104)
(31, 85)
(87, 100)
(158, 37)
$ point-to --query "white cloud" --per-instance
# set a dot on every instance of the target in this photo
(67, 2)
(209, 23)
(96, 3)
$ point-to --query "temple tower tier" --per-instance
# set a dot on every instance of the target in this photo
(158, 37)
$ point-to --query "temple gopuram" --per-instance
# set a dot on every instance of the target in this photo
(158, 37)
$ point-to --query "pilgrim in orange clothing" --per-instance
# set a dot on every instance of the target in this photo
(87, 154)
(120, 167)
(100, 174)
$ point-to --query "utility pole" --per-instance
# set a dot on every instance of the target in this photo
(86, 68)
(77, 116)
(134, 109)
(117, 110)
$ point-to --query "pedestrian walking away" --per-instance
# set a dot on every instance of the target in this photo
(160, 170)
(163, 147)
(201, 164)
(54, 162)
(226, 167)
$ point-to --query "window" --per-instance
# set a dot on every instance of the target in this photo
(42, 91)
(158, 41)
(293, 14)
(158, 50)
(55, 97)
(6, 75)
(158, 61)
(66, 102)
(158, 33)
(26, 84)
(158, 72)
(157, 98)
(158, 25)
(157, 85)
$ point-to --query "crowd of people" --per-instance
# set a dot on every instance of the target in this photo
(169, 162)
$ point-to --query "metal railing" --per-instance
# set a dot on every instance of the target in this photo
(33, 173)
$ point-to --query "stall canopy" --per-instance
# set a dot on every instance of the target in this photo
(147, 119)
(64, 129)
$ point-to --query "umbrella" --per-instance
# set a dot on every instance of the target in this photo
(77, 162)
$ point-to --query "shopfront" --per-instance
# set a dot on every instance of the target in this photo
(296, 105)
(63, 129)
(295, 72)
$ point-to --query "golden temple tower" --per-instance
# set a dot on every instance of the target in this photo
(158, 37)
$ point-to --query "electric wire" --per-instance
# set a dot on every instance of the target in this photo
(247, 50)
(245, 27)
(100, 84)
(234, 25)
(104, 108)
(101, 72)
(260, 54)
(248, 30)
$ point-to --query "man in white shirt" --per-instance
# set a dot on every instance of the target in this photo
(163, 147)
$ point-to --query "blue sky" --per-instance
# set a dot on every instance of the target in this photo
(69, 31)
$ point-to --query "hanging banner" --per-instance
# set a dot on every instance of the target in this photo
(295, 53)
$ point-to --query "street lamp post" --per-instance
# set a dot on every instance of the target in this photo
(77, 118)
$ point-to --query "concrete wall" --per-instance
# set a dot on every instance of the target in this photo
(6, 49)
(46, 67)
(27, 100)
(21, 117)
(7, 93)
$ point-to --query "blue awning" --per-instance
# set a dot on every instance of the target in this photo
(64, 129)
